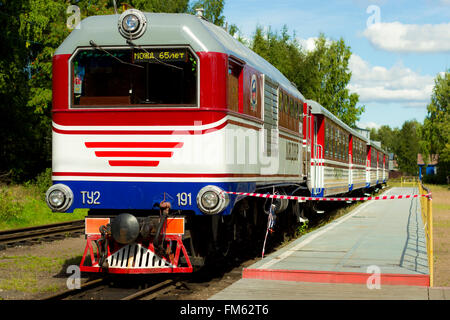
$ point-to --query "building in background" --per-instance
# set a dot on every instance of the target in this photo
(430, 168)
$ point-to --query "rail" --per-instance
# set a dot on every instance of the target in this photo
(36, 232)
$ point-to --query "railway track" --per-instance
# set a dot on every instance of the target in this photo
(15, 236)
(105, 289)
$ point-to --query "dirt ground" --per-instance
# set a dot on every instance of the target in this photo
(30, 272)
(36, 271)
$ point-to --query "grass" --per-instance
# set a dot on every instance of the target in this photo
(441, 231)
(24, 206)
(28, 274)
(441, 234)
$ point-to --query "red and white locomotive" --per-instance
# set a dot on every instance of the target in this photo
(157, 116)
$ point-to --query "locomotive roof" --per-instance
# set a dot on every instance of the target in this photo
(166, 29)
(317, 108)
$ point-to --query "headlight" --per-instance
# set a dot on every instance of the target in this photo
(59, 197)
(56, 198)
(209, 200)
(212, 200)
(132, 24)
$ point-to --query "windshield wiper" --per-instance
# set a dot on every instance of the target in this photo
(92, 43)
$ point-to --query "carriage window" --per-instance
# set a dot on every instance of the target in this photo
(286, 102)
(134, 77)
(280, 103)
(292, 107)
(334, 142)
(339, 144)
(353, 150)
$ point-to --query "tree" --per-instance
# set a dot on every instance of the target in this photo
(282, 52)
(325, 78)
(31, 32)
(406, 146)
(20, 141)
(213, 10)
(435, 133)
(169, 6)
(386, 135)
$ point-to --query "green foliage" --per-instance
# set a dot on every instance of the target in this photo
(406, 147)
(436, 128)
(21, 142)
(326, 75)
(386, 135)
(43, 181)
(169, 6)
(302, 229)
(213, 10)
(31, 32)
(10, 208)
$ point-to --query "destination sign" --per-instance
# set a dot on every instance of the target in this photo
(168, 55)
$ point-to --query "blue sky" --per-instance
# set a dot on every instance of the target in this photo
(398, 46)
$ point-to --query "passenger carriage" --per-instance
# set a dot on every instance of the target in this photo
(338, 156)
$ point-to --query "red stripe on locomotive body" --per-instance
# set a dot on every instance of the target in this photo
(130, 163)
(170, 175)
(134, 144)
(158, 154)
(141, 132)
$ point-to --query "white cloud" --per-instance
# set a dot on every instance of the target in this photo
(396, 84)
(369, 125)
(308, 44)
(398, 37)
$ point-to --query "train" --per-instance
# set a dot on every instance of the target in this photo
(157, 117)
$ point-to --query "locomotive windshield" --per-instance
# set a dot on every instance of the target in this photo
(134, 77)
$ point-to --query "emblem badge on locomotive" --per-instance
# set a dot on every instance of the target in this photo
(136, 97)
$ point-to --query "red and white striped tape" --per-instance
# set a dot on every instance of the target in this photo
(277, 196)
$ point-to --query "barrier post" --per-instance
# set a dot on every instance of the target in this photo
(427, 218)
(430, 239)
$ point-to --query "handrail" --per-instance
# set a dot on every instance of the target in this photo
(318, 155)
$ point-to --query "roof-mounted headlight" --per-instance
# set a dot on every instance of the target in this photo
(132, 24)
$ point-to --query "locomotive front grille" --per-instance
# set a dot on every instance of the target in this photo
(136, 256)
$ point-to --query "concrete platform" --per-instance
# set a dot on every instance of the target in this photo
(380, 244)
(256, 289)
